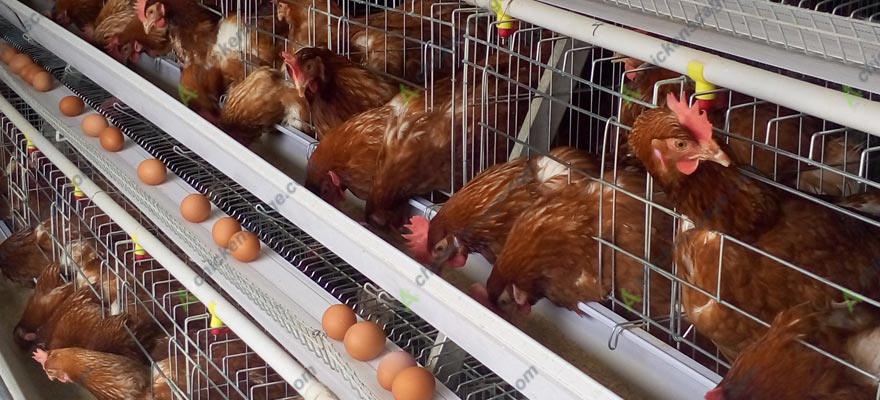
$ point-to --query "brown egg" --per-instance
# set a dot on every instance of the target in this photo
(414, 383)
(336, 321)
(223, 230)
(244, 246)
(94, 124)
(152, 172)
(27, 73)
(112, 139)
(19, 62)
(391, 365)
(7, 52)
(195, 208)
(71, 106)
(42, 81)
(364, 341)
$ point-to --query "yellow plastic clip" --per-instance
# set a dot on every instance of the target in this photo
(505, 22)
(695, 72)
(79, 193)
(215, 321)
(30, 145)
(139, 252)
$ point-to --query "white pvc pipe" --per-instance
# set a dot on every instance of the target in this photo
(832, 105)
(285, 365)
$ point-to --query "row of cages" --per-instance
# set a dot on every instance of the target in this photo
(455, 368)
(490, 94)
(64, 234)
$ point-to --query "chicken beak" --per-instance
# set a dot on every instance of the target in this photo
(148, 26)
(290, 64)
(710, 151)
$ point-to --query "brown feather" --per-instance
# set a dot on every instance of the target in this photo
(778, 367)
(106, 376)
(550, 251)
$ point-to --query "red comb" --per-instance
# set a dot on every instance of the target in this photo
(417, 241)
(692, 118)
(715, 394)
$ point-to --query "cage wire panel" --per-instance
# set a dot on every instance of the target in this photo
(96, 254)
(594, 109)
(468, 378)
(519, 96)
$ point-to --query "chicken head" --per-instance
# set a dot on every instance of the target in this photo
(53, 364)
(49, 293)
(154, 15)
(306, 67)
(445, 247)
(673, 142)
(282, 10)
(511, 303)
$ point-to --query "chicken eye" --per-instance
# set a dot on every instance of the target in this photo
(680, 144)
(440, 248)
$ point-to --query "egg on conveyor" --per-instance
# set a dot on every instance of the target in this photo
(42, 81)
(93, 124)
(336, 321)
(28, 72)
(19, 62)
(223, 230)
(8, 52)
(364, 341)
(71, 106)
(195, 208)
(152, 172)
(244, 246)
(112, 139)
(413, 383)
(391, 365)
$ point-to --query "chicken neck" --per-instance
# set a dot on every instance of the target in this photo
(723, 199)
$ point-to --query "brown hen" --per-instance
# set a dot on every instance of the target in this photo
(79, 322)
(336, 88)
(23, 255)
(674, 146)
(106, 376)
(49, 294)
(345, 159)
(425, 152)
(122, 34)
(779, 367)
(80, 13)
(477, 218)
(748, 123)
(259, 102)
(551, 252)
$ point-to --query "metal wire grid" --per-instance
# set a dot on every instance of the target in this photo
(589, 103)
(76, 224)
(406, 329)
(796, 29)
(413, 42)
(421, 37)
(862, 9)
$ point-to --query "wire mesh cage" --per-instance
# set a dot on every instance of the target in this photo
(189, 359)
(534, 91)
(592, 104)
(406, 329)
